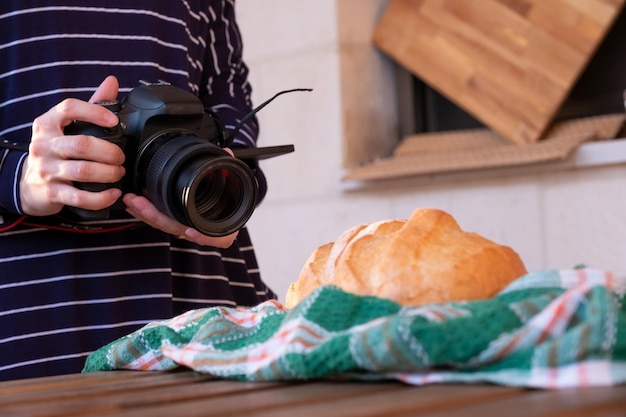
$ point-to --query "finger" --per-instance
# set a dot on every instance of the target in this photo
(69, 110)
(87, 171)
(107, 90)
(145, 211)
(220, 242)
(68, 195)
(142, 209)
(87, 148)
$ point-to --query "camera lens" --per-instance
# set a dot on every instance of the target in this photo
(199, 184)
(218, 194)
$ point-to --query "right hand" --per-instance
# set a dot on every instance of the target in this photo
(55, 160)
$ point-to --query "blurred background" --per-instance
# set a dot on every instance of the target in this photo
(363, 103)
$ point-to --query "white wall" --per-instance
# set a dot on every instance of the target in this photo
(553, 220)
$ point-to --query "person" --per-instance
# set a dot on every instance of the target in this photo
(68, 288)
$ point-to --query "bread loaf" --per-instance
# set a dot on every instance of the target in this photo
(425, 259)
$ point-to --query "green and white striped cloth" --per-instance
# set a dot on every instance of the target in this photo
(548, 329)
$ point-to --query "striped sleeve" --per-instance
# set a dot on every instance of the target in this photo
(11, 162)
(227, 91)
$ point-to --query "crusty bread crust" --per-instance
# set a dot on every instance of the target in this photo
(425, 259)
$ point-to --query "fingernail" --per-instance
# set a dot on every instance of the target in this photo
(192, 233)
(112, 119)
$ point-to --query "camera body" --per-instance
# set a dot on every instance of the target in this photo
(175, 157)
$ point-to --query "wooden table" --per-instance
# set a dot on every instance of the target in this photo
(179, 394)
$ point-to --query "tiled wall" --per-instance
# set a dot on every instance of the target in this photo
(554, 220)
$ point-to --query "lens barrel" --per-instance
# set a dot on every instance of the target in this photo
(198, 184)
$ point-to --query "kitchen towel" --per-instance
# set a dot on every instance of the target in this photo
(548, 329)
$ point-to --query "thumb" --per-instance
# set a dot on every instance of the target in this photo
(107, 90)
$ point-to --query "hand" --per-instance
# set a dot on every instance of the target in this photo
(55, 160)
(141, 208)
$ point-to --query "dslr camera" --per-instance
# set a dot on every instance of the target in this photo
(175, 158)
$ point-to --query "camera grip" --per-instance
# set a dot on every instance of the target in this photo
(114, 135)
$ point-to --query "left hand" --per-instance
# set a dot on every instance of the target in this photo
(142, 209)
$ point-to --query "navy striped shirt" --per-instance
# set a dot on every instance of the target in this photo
(64, 294)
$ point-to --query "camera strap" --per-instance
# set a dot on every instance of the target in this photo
(231, 137)
(8, 223)
(13, 146)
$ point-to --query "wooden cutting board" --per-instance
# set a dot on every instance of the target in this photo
(509, 63)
